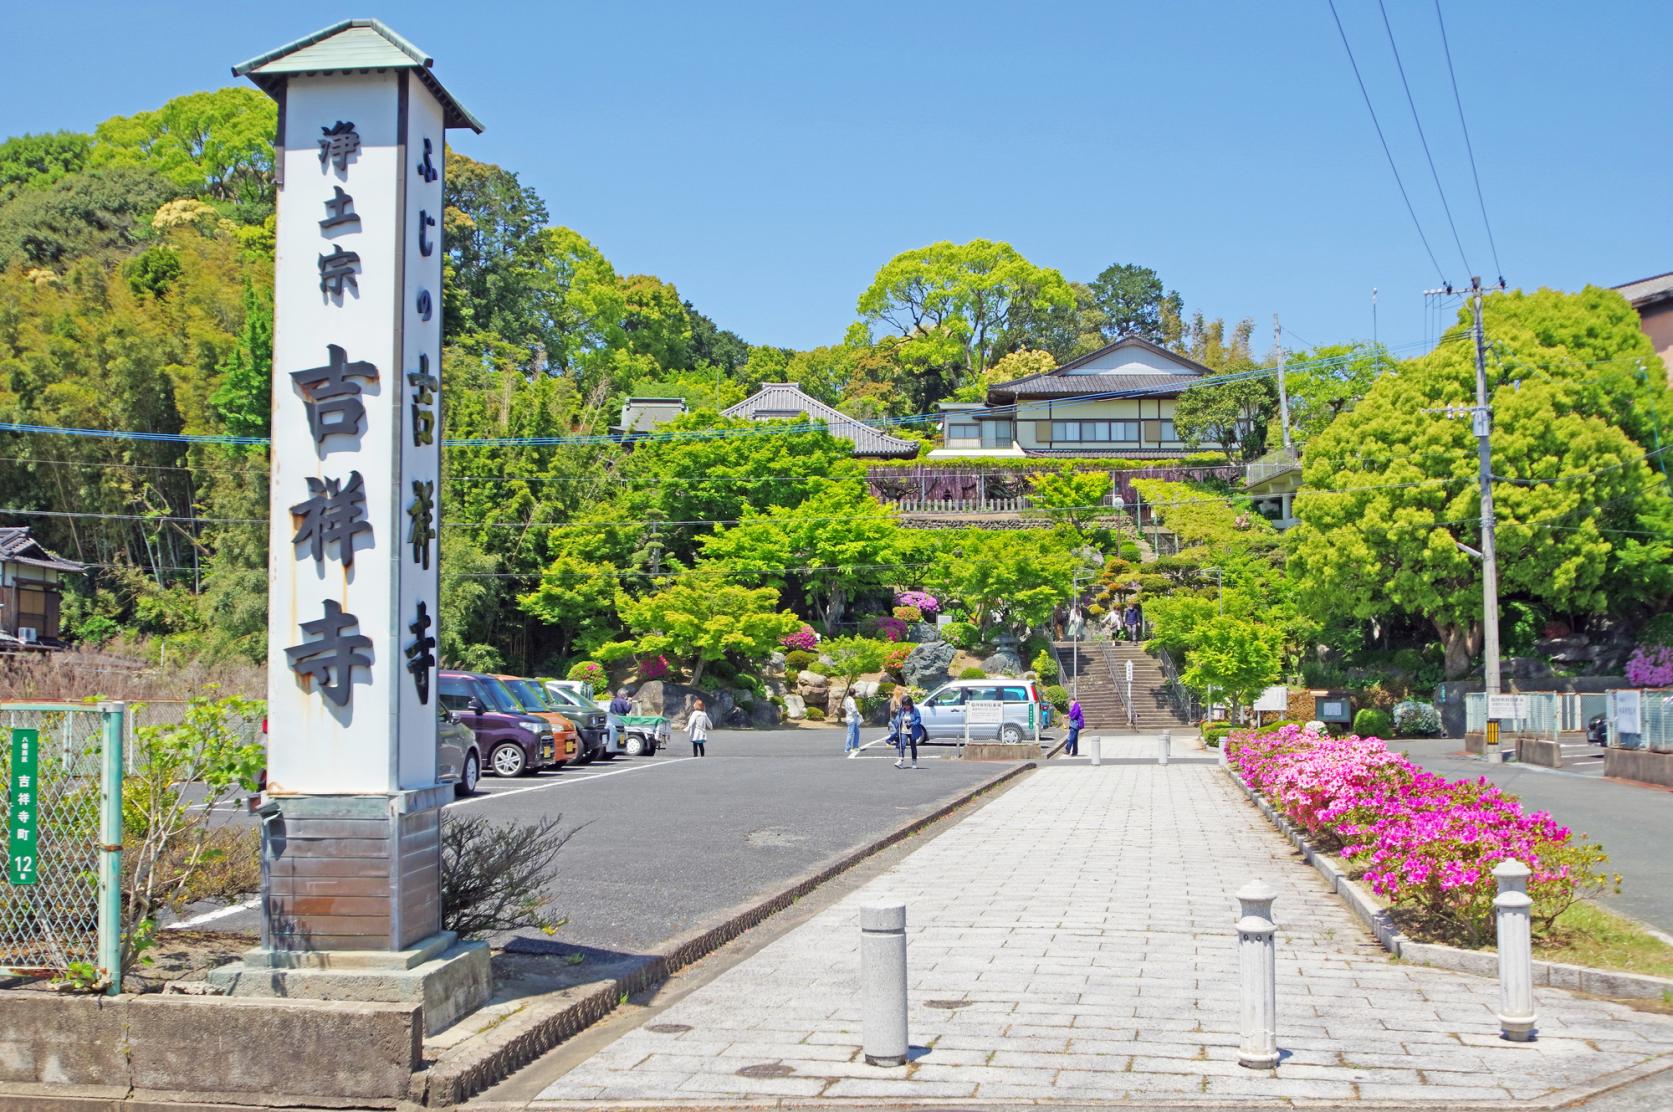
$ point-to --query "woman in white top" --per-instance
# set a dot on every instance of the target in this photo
(851, 719)
(697, 728)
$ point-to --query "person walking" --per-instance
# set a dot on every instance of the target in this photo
(911, 728)
(697, 728)
(1131, 617)
(851, 719)
(1077, 721)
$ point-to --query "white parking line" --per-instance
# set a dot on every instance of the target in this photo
(211, 916)
(570, 780)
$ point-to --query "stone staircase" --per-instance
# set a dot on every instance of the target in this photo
(1101, 701)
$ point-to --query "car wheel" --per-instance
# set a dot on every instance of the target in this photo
(635, 745)
(583, 756)
(1010, 734)
(469, 776)
(508, 760)
(606, 753)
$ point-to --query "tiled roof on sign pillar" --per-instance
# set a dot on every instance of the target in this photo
(352, 46)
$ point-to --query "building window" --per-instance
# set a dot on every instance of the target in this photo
(964, 434)
(1168, 435)
(1095, 432)
(997, 434)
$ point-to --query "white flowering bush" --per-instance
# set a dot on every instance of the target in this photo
(1415, 718)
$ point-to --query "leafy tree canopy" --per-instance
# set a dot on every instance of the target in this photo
(699, 618)
(218, 144)
(1233, 415)
(34, 161)
(1325, 383)
(1133, 303)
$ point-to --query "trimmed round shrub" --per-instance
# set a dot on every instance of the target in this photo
(960, 635)
(1213, 733)
(972, 674)
(1058, 696)
(908, 614)
(797, 659)
(587, 671)
(1045, 666)
(886, 688)
(1415, 718)
(1373, 722)
(816, 714)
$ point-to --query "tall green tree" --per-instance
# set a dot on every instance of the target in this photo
(1325, 383)
(81, 214)
(1584, 525)
(1133, 302)
(218, 144)
(1229, 415)
(35, 161)
(1071, 497)
(954, 302)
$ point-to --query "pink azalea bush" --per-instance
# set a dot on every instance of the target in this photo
(653, 667)
(1651, 666)
(805, 639)
(891, 629)
(924, 602)
(1420, 841)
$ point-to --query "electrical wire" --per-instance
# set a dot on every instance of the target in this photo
(1422, 138)
(1465, 128)
(1384, 141)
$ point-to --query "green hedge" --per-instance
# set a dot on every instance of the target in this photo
(1058, 696)
(972, 674)
(1372, 722)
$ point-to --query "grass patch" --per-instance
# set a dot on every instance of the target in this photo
(1587, 934)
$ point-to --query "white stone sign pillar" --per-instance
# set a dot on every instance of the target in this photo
(351, 847)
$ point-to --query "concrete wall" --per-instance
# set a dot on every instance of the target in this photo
(1539, 751)
(205, 1048)
(1643, 765)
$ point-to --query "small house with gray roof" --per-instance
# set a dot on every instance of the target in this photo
(31, 591)
(1116, 401)
(781, 400)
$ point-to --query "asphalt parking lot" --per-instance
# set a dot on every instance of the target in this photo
(668, 844)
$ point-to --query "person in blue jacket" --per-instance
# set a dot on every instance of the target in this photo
(909, 729)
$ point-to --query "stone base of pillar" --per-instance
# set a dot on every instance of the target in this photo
(449, 978)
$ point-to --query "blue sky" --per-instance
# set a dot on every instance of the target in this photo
(768, 158)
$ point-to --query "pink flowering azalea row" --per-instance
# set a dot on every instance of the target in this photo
(1417, 839)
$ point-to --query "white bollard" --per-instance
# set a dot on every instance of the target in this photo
(1258, 963)
(1516, 957)
(1165, 744)
(1097, 750)
(883, 983)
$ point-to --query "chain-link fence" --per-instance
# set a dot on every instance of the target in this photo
(61, 771)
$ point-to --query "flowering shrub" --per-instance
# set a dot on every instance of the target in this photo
(909, 614)
(588, 671)
(653, 667)
(805, 639)
(925, 603)
(1419, 840)
(1414, 718)
(1651, 666)
(891, 629)
(894, 659)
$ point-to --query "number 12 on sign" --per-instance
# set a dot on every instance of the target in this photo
(25, 793)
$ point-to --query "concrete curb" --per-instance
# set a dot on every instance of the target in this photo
(463, 1071)
(1551, 974)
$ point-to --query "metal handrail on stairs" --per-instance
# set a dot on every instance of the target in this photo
(1179, 696)
(1121, 687)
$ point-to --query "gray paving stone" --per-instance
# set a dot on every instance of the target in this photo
(1101, 964)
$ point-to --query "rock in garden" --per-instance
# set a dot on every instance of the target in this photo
(813, 686)
(794, 708)
(927, 664)
(1004, 662)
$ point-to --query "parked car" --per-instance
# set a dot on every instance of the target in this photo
(943, 711)
(593, 719)
(532, 698)
(516, 743)
(458, 760)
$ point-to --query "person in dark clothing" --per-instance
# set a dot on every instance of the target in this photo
(911, 729)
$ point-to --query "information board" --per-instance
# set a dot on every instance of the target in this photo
(1507, 706)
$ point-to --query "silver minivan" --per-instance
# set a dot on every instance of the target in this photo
(943, 709)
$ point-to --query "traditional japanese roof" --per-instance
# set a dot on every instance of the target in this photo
(786, 399)
(352, 46)
(1646, 291)
(1070, 380)
(17, 546)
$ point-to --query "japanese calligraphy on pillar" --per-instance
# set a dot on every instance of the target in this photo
(355, 539)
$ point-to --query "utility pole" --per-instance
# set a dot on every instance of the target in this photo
(1283, 392)
(1483, 422)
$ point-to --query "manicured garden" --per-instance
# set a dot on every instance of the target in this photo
(1426, 846)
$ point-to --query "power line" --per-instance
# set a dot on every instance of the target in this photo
(1465, 128)
(1384, 141)
(1400, 66)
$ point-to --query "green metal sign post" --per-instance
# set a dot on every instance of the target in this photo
(25, 793)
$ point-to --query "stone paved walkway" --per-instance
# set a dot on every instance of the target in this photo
(1072, 941)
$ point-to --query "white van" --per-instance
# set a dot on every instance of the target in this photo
(943, 709)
